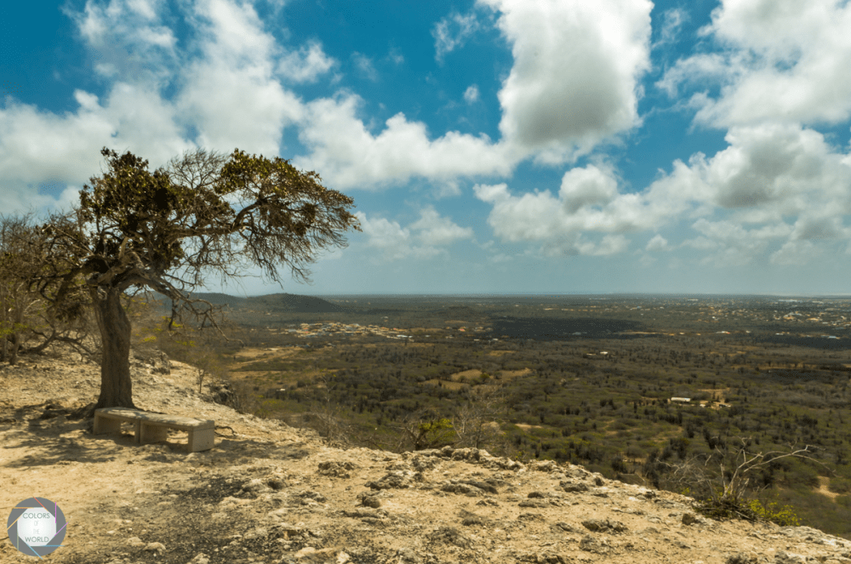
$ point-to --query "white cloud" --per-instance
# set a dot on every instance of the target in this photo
(582, 187)
(395, 56)
(349, 156)
(226, 91)
(574, 82)
(447, 188)
(365, 66)
(438, 231)
(785, 60)
(471, 94)
(452, 32)
(305, 65)
(395, 242)
(696, 70)
(796, 253)
(573, 85)
(72, 142)
(672, 22)
(587, 202)
(231, 94)
(608, 245)
(733, 244)
(773, 184)
(777, 169)
(388, 236)
(657, 243)
(122, 27)
(38, 147)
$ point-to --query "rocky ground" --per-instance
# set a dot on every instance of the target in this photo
(268, 493)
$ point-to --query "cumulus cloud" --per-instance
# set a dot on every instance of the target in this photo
(305, 65)
(731, 243)
(657, 243)
(438, 231)
(574, 82)
(773, 185)
(452, 32)
(349, 156)
(28, 135)
(225, 88)
(231, 94)
(796, 253)
(587, 202)
(432, 231)
(387, 236)
(127, 38)
(696, 70)
(224, 92)
(783, 61)
(582, 187)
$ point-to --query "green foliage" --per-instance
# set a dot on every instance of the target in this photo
(784, 516)
(840, 485)
(203, 212)
(433, 434)
(609, 414)
(720, 507)
(424, 431)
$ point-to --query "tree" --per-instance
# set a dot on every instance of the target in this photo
(424, 432)
(168, 229)
(24, 319)
(729, 492)
(476, 421)
(17, 303)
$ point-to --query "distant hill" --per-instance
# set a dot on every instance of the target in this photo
(281, 303)
(220, 299)
(289, 303)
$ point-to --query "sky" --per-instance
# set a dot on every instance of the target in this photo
(490, 146)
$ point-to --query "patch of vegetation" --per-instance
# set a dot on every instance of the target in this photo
(605, 402)
(723, 508)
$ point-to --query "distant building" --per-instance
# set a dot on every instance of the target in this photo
(680, 400)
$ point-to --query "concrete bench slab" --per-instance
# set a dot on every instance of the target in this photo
(153, 427)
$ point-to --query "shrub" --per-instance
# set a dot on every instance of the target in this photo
(720, 507)
(784, 516)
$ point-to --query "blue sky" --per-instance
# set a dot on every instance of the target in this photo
(491, 146)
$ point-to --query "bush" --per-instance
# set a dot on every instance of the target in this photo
(784, 516)
(721, 508)
(839, 485)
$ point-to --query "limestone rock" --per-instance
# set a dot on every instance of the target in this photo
(157, 547)
(604, 526)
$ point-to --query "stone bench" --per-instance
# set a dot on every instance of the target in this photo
(153, 427)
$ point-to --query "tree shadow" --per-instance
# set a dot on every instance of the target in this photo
(49, 434)
(49, 438)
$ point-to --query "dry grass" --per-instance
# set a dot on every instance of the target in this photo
(472, 373)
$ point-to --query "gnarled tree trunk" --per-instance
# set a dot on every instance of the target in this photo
(115, 384)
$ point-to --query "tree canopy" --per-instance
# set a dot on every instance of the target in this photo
(167, 230)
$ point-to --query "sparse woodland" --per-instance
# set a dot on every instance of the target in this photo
(601, 402)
